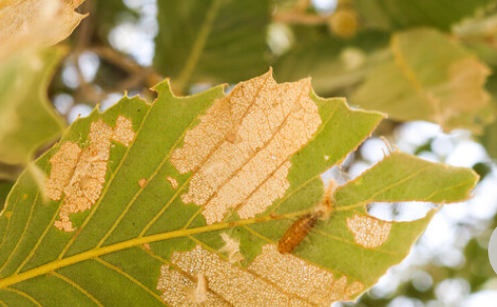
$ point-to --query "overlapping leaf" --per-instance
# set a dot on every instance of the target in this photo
(402, 14)
(331, 62)
(182, 201)
(429, 77)
(27, 119)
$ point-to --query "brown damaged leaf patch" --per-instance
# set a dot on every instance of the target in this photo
(173, 182)
(240, 151)
(368, 231)
(272, 278)
(80, 174)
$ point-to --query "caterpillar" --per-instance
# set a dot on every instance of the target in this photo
(299, 230)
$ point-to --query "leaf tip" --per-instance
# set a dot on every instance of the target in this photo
(163, 86)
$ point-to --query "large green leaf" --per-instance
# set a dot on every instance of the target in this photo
(402, 14)
(211, 40)
(27, 119)
(429, 77)
(183, 201)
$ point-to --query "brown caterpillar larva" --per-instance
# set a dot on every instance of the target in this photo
(297, 232)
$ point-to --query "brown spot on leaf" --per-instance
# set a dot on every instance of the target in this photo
(80, 174)
(63, 165)
(123, 132)
(368, 231)
(272, 279)
(240, 151)
(173, 181)
(142, 182)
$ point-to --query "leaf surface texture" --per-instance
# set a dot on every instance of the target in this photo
(183, 201)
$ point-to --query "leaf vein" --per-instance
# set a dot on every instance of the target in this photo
(189, 276)
(370, 199)
(8, 221)
(240, 168)
(265, 280)
(32, 252)
(109, 183)
(156, 171)
(21, 293)
(77, 287)
(131, 278)
(23, 232)
(195, 170)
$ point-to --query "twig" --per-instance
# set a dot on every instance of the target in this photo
(144, 74)
(83, 37)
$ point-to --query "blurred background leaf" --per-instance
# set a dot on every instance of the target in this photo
(4, 191)
(429, 77)
(332, 62)
(24, 108)
(212, 40)
(401, 14)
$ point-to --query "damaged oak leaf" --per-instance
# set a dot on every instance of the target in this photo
(182, 202)
(429, 77)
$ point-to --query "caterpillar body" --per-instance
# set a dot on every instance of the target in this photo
(299, 230)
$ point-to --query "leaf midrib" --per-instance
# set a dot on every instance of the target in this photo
(91, 254)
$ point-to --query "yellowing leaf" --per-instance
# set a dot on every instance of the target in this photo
(36, 22)
(429, 77)
(183, 202)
